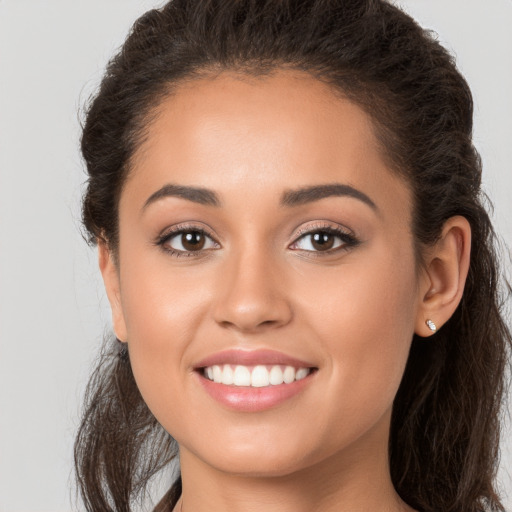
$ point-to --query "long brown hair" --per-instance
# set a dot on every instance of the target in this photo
(445, 425)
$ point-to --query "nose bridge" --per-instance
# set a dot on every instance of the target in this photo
(251, 291)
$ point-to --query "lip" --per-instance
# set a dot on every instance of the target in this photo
(252, 399)
(249, 399)
(252, 358)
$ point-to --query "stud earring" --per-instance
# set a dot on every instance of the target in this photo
(431, 325)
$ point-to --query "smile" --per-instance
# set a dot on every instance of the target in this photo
(258, 376)
(254, 380)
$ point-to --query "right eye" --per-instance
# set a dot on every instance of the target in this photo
(186, 242)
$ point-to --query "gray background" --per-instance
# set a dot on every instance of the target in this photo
(53, 311)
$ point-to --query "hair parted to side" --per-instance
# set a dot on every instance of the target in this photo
(445, 425)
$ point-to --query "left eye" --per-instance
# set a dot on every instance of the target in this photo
(190, 241)
(321, 241)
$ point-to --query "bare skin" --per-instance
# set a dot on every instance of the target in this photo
(256, 278)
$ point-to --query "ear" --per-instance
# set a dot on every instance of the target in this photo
(444, 275)
(110, 273)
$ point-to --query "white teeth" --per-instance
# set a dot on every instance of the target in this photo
(301, 373)
(260, 376)
(217, 374)
(289, 374)
(276, 376)
(242, 376)
(227, 375)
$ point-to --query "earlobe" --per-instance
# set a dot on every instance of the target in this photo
(445, 274)
(110, 274)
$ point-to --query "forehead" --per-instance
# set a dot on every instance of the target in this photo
(269, 133)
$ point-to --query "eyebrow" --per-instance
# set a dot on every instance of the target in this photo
(289, 198)
(306, 195)
(194, 194)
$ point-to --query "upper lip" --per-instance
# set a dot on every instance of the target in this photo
(252, 358)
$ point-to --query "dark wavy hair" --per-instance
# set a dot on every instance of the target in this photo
(445, 425)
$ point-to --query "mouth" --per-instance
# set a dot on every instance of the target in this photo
(251, 381)
(259, 376)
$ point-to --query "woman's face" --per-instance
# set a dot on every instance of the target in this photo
(260, 229)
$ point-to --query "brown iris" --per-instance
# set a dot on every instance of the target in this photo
(193, 241)
(322, 241)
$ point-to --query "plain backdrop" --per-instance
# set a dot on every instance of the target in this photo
(53, 312)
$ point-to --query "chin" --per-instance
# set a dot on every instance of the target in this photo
(257, 466)
(263, 456)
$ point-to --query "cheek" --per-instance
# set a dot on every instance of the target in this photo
(365, 322)
(162, 305)
(163, 311)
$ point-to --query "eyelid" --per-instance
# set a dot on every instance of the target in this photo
(186, 226)
(322, 225)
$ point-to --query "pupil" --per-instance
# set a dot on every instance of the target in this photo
(193, 241)
(323, 241)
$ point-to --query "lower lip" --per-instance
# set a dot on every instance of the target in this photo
(250, 399)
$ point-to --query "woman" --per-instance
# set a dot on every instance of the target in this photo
(304, 289)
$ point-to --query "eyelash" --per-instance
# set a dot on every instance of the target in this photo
(348, 240)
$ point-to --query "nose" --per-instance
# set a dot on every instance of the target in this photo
(252, 294)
